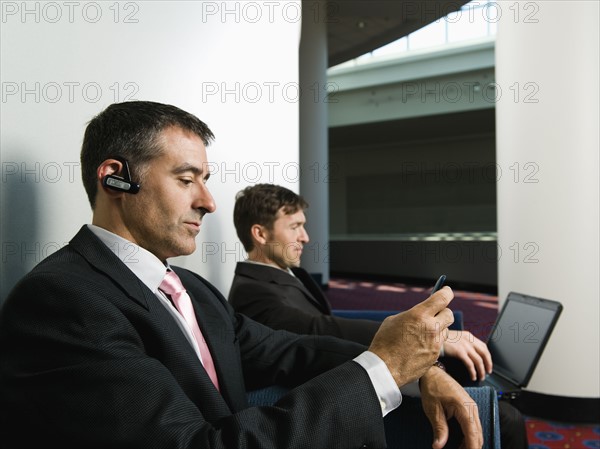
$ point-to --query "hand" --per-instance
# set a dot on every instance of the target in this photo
(443, 398)
(471, 350)
(410, 342)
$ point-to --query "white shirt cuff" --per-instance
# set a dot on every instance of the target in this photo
(385, 386)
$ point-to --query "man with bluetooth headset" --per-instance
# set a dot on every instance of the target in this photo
(103, 350)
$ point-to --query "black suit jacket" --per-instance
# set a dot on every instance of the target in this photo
(91, 359)
(278, 300)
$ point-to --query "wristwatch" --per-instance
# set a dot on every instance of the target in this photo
(440, 365)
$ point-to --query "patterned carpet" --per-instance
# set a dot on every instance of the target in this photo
(549, 435)
(479, 314)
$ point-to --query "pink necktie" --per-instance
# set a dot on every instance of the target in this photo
(173, 287)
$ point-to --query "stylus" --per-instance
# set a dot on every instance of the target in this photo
(439, 284)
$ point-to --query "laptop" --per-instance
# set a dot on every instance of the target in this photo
(517, 341)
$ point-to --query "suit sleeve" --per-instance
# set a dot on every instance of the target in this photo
(77, 372)
(270, 305)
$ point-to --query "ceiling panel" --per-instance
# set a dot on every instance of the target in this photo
(356, 27)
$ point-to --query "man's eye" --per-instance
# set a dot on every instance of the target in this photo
(186, 181)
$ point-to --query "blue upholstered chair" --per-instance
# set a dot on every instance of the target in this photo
(407, 427)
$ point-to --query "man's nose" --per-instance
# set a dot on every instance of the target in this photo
(204, 200)
(304, 236)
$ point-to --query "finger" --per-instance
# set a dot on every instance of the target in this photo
(469, 422)
(479, 367)
(439, 425)
(482, 359)
(484, 352)
(438, 301)
(439, 325)
(474, 363)
(469, 363)
(445, 318)
(440, 435)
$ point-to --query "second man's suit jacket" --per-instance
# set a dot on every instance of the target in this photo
(91, 359)
(294, 303)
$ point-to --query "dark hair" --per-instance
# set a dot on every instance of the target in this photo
(132, 131)
(259, 204)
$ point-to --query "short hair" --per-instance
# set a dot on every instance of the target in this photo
(259, 204)
(132, 131)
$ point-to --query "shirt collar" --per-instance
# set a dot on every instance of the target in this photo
(287, 270)
(145, 265)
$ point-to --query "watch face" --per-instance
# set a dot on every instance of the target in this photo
(440, 365)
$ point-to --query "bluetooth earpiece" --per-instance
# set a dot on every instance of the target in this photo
(119, 183)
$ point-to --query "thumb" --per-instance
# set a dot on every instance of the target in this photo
(439, 425)
(440, 432)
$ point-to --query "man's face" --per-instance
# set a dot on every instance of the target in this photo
(286, 239)
(165, 216)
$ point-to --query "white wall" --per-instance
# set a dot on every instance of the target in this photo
(548, 192)
(232, 64)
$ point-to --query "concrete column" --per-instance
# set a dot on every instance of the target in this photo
(548, 171)
(315, 172)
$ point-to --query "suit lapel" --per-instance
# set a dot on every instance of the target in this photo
(315, 290)
(316, 299)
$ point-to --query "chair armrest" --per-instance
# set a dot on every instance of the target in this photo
(489, 414)
(380, 315)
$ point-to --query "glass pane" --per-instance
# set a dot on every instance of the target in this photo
(471, 22)
(395, 47)
(432, 35)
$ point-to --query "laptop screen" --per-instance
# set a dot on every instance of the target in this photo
(520, 335)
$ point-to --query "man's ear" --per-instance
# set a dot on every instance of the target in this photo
(260, 234)
(106, 168)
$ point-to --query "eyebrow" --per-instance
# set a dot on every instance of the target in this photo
(190, 168)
